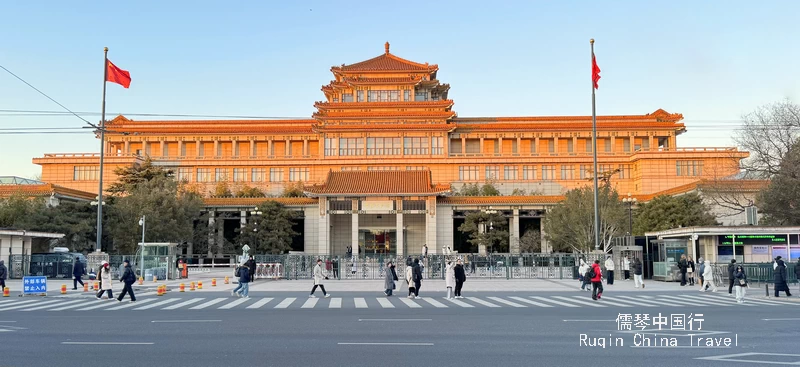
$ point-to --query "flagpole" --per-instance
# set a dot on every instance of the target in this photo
(594, 157)
(98, 244)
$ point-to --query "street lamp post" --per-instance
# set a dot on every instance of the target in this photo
(254, 213)
(631, 202)
(142, 223)
(97, 201)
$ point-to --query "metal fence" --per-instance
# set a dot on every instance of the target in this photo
(57, 266)
(756, 273)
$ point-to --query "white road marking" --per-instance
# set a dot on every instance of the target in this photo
(520, 299)
(360, 302)
(434, 302)
(185, 303)
(335, 303)
(631, 303)
(69, 307)
(104, 343)
(761, 319)
(730, 358)
(695, 301)
(48, 306)
(285, 303)
(762, 301)
(554, 301)
(152, 305)
(310, 303)
(512, 304)
(462, 304)
(207, 304)
(18, 306)
(260, 303)
(410, 303)
(405, 344)
(593, 303)
(385, 303)
(395, 320)
(182, 321)
(589, 320)
(607, 301)
(482, 302)
(643, 302)
(233, 304)
(129, 304)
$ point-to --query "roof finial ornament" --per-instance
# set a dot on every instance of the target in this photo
(386, 46)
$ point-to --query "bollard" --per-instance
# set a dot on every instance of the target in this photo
(191, 286)
(199, 285)
(141, 280)
(226, 280)
(213, 282)
(159, 291)
(183, 287)
(96, 286)
(86, 287)
(155, 279)
(63, 289)
(766, 286)
(6, 292)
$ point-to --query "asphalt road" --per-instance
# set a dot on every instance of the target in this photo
(366, 333)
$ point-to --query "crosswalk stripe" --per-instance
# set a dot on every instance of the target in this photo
(482, 302)
(70, 307)
(630, 303)
(22, 302)
(48, 306)
(335, 303)
(409, 302)
(725, 300)
(434, 302)
(233, 304)
(360, 302)
(583, 302)
(207, 304)
(129, 304)
(640, 301)
(18, 306)
(310, 303)
(553, 301)
(7, 301)
(260, 303)
(285, 303)
(607, 301)
(679, 302)
(761, 301)
(185, 303)
(695, 301)
(520, 299)
(152, 305)
(462, 304)
(385, 303)
(512, 304)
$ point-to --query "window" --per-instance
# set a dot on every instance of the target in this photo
(406, 95)
(624, 171)
(689, 168)
(492, 172)
(528, 172)
(236, 146)
(533, 146)
(510, 172)
(351, 146)
(588, 145)
(415, 146)
(586, 171)
(347, 97)
(383, 168)
(201, 149)
(360, 95)
(421, 95)
(276, 175)
(569, 146)
(416, 168)
(646, 144)
(604, 168)
(183, 150)
(548, 172)
(258, 174)
(383, 146)
(86, 173)
(351, 168)
(567, 172)
(219, 150)
(335, 99)
(437, 145)
(240, 174)
(607, 144)
(185, 174)
(383, 95)
(330, 147)
(203, 174)
(467, 173)
(165, 150)
(298, 174)
(220, 174)
(626, 145)
(551, 146)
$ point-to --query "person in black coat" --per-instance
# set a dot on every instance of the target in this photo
(731, 270)
(416, 273)
(251, 265)
(128, 278)
(3, 275)
(682, 266)
(780, 278)
(461, 277)
(78, 270)
(796, 270)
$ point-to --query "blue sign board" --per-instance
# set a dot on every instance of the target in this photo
(34, 285)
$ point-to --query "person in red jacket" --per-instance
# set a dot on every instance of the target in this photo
(597, 281)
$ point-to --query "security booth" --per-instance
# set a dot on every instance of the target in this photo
(665, 254)
(156, 259)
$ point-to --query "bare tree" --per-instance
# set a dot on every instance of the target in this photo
(768, 133)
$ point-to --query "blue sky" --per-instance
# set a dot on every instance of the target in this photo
(711, 61)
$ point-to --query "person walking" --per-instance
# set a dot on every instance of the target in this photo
(690, 270)
(417, 272)
(610, 270)
(708, 277)
(740, 284)
(780, 278)
(3, 275)
(128, 278)
(410, 280)
(596, 274)
(425, 251)
(450, 278)
(242, 272)
(682, 265)
(731, 269)
(626, 268)
(319, 276)
(78, 270)
(390, 277)
(461, 277)
(251, 265)
(637, 273)
(700, 271)
(582, 269)
(105, 281)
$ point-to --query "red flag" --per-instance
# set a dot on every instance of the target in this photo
(117, 75)
(595, 72)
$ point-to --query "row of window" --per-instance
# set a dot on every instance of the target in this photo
(389, 96)
(241, 174)
(548, 172)
(384, 146)
(385, 168)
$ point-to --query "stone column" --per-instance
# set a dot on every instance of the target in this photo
(127, 147)
(536, 145)
(499, 146)
(243, 218)
(650, 146)
(211, 224)
(354, 230)
(555, 145)
(324, 245)
(180, 148)
(430, 225)
(287, 148)
(269, 148)
(161, 149)
(513, 241)
(197, 145)
(481, 144)
(463, 145)
(144, 148)
(399, 228)
(519, 146)
(575, 145)
(632, 143)
(252, 148)
(216, 149)
(613, 144)
(545, 244)
(305, 148)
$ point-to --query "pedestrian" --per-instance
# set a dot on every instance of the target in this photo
(251, 264)
(626, 267)
(425, 250)
(389, 278)
(410, 280)
(740, 284)
(128, 278)
(708, 277)
(701, 270)
(796, 270)
(682, 265)
(637, 273)
(336, 268)
(461, 277)
(78, 270)
(319, 276)
(242, 272)
(244, 282)
(349, 251)
(610, 270)
(417, 271)
(582, 269)
(690, 270)
(780, 278)
(3, 275)
(355, 266)
(450, 278)
(731, 269)
(328, 265)
(596, 274)
(105, 281)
